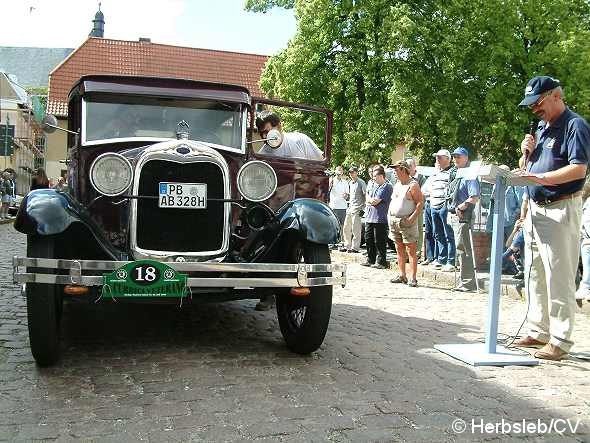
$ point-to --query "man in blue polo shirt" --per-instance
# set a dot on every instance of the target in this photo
(556, 159)
(463, 195)
(376, 225)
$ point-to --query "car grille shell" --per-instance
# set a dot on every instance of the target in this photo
(181, 231)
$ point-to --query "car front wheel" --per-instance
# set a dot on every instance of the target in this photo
(304, 320)
(44, 305)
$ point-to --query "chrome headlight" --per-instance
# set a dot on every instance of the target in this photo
(111, 174)
(257, 181)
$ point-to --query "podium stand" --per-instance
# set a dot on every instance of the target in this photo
(490, 353)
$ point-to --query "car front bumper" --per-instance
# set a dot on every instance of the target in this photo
(223, 275)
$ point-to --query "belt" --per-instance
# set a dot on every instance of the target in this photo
(548, 201)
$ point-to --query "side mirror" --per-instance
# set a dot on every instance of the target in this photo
(274, 138)
(49, 124)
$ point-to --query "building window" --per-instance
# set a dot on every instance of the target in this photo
(6, 139)
(40, 143)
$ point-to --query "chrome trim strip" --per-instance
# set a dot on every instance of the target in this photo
(298, 274)
(236, 283)
(106, 265)
(167, 151)
(244, 128)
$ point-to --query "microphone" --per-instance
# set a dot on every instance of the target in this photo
(534, 123)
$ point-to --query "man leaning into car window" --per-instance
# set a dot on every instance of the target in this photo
(294, 145)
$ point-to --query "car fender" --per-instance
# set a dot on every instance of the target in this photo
(51, 212)
(313, 219)
(46, 212)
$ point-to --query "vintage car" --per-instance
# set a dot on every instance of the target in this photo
(169, 201)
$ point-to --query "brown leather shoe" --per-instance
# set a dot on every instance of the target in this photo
(528, 341)
(550, 352)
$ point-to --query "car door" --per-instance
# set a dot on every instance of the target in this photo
(296, 177)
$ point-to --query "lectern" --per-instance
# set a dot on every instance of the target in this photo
(490, 353)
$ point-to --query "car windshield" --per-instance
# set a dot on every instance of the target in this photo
(152, 118)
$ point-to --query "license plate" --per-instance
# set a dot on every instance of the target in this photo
(182, 195)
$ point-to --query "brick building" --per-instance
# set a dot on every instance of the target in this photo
(98, 55)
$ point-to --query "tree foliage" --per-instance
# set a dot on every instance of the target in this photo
(431, 74)
(265, 5)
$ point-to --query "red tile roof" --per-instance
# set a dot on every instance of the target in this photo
(105, 56)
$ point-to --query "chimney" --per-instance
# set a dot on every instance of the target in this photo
(145, 40)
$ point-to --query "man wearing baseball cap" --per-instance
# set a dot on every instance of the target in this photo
(555, 157)
(463, 195)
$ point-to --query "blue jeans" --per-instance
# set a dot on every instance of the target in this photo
(429, 233)
(518, 244)
(443, 233)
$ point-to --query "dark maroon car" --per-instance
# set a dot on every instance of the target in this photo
(168, 201)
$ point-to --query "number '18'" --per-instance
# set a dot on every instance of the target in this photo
(150, 274)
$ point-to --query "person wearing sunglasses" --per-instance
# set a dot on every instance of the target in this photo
(555, 157)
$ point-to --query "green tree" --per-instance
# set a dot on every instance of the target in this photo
(265, 5)
(431, 74)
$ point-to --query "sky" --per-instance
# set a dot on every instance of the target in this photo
(211, 24)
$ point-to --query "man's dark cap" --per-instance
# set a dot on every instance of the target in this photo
(536, 87)
(353, 169)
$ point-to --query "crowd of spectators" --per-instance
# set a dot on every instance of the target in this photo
(423, 216)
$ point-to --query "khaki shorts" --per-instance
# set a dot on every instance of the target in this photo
(400, 231)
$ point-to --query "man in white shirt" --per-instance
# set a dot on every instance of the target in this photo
(294, 145)
(338, 194)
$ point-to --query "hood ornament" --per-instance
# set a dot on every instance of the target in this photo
(182, 130)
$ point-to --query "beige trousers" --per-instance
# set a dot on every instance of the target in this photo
(352, 230)
(552, 239)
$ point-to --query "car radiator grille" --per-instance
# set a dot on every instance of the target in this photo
(180, 230)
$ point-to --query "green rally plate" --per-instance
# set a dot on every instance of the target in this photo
(144, 278)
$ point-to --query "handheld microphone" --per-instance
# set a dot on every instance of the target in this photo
(534, 123)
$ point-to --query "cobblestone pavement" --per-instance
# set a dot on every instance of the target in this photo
(222, 372)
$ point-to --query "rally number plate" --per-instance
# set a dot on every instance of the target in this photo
(144, 278)
(182, 195)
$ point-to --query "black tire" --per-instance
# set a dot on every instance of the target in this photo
(304, 320)
(44, 306)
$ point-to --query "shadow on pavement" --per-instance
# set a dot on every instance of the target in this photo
(222, 372)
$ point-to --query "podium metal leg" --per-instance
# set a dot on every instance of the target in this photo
(489, 354)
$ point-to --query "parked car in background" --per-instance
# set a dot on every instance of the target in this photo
(168, 201)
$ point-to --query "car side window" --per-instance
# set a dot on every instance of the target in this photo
(303, 132)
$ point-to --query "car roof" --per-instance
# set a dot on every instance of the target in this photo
(160, 87)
